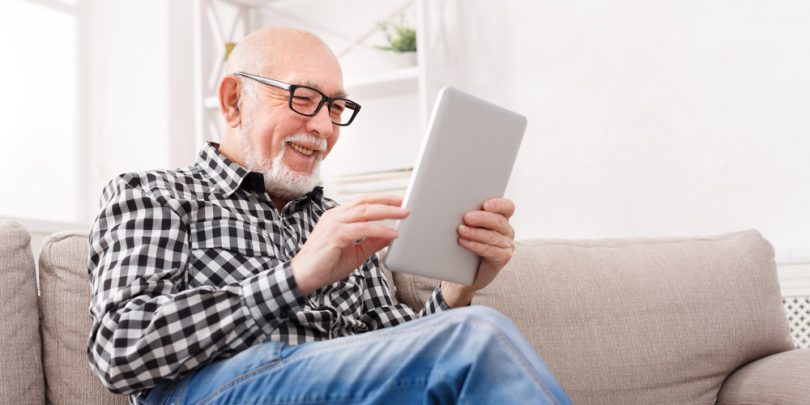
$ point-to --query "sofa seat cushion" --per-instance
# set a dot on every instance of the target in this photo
(639, 321)
(782, 379)
(20, 356)
(65, 306)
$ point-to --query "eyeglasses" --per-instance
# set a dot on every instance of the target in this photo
(308, 101)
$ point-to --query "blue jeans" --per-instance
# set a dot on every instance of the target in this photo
(471, 355)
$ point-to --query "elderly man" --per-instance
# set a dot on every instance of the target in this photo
(235, 281)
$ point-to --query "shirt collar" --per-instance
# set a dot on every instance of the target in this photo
(228, 176)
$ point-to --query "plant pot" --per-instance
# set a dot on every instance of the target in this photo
(402, 59)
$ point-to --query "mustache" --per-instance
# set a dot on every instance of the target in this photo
(319, 143)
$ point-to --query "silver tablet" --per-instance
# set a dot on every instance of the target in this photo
(466, 159)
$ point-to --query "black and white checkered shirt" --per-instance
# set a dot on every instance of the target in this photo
(191, 265)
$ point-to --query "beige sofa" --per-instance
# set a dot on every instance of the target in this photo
(644, 321)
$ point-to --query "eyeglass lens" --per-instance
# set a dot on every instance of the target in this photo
(306, 100)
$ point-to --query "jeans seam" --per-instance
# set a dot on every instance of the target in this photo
(238, 380)
(392, 387)
(348, 399)
(513, 352)
(245, 377)
(360, 338)
(510, 349)
(181, 390)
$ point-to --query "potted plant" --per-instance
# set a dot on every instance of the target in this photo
(400, 40)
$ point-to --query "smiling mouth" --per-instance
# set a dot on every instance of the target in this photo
(301, 149)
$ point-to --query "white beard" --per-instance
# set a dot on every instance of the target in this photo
(279, 179)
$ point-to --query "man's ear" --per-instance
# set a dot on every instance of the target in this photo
(229, 95)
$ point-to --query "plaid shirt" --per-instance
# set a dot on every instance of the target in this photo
(191, 265)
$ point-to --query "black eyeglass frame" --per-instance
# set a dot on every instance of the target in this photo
(291, 88)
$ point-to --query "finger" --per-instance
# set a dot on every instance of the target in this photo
(499, 206)
(489, 220)
(392, 200)
(364, 231)
(492, 254)
(485, 236)
(373, 245)
(370, 212)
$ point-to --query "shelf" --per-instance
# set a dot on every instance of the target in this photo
(396, 82)
(348, 187)
(372, 175)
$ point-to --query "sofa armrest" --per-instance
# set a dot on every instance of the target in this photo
(782, 378)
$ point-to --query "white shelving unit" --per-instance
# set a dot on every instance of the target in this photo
(386, 84)
(215, 23)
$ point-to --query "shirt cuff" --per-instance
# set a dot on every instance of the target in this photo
(435, 303)
(272, 294)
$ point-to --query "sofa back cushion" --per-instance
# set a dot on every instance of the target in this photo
(20, 356)
(65, 303)
(639, 321)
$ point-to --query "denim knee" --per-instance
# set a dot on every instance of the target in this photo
(483, 321)
(482, 313)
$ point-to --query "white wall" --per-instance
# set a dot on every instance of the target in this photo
(651, 118)
(39, 110)
(128, 89)
(141, 94)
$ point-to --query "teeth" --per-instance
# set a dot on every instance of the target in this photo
(301, 149)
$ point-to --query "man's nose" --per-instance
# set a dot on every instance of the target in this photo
(320, 122)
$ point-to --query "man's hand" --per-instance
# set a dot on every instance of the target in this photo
(343, 239)
(488, 234)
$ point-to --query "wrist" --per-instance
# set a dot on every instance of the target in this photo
(305, 283)
(456, 295)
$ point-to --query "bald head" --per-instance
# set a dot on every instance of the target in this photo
(274, 51)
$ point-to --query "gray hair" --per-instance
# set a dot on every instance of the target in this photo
(245, 60)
